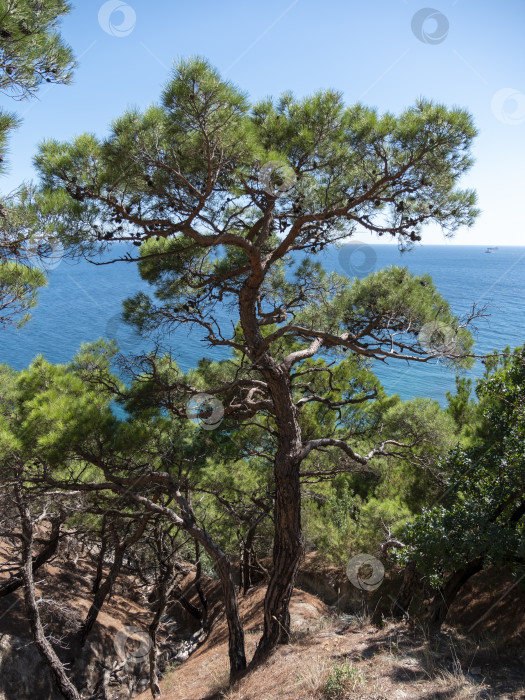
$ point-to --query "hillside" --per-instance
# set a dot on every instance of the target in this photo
(333, 654)
(346, 656)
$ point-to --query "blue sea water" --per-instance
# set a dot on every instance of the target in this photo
(83, 303)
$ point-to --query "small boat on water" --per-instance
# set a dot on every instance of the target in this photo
(491, 250)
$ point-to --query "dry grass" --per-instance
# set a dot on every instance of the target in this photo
(311, 680)
(332, 658)
(365, 663)
(460, 686)
(220, 680)
(302, 633)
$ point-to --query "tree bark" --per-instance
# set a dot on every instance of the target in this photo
(100, 596)
(166, 585)
(447, 593)
(187, 604)
(236, 648)
(248, 553)
(406, 592)
(46, 651)
(198, 585)
(288, 540)
(188, 523)
(101, 556)
(236, 651)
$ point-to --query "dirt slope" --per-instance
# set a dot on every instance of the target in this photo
(343, 656)
(360, 662)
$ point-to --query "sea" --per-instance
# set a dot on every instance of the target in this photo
(83, 302)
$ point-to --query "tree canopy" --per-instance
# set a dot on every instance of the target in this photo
(224, 205)
(32, 53)
(227, 203)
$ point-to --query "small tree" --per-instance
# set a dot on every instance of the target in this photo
(220, 195)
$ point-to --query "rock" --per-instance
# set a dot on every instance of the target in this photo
(23, 674)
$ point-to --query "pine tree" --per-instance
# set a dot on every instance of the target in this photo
(32, 53)
(220, 197)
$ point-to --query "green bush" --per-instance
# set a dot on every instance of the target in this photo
(342, 679)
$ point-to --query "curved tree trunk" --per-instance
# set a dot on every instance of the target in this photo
(46, 651)
(48, 551)
(188, 523)
(236, 648)
(288, 540)
(447, 593)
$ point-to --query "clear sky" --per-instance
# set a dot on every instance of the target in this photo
(385, 53)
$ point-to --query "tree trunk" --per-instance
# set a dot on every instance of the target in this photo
(406, 592)
(246, 568)
(187, 604)
(105, 589)
(248, 554)
(100, 596)
(46, 651)
(45, 555)
(222, 564)
(166, 585)
(236, 633)
(447, 593)
(288, 541)
(101, 556)
(287, 552)
(236, 649)
(198, 586)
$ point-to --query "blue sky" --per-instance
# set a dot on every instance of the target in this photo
(461, 52)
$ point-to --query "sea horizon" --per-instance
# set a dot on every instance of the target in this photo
(83, 302)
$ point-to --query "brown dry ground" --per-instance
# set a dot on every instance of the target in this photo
(71, 588)
(374, 661)
(389, 660)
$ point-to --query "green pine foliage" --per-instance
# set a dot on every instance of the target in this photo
(32, 53)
